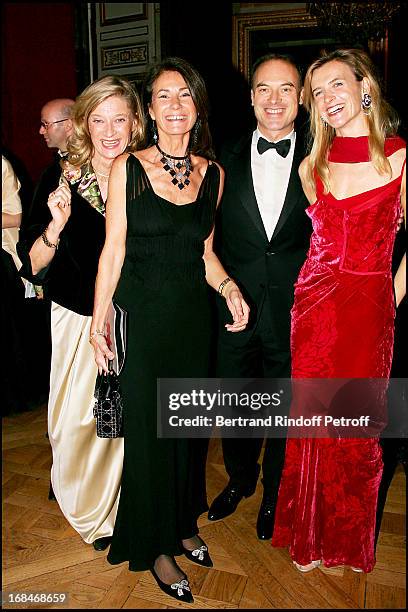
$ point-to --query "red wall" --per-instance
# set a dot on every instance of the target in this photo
(38, 65)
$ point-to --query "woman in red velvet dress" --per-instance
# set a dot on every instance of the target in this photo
(343, 315)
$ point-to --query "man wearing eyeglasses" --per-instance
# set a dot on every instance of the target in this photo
(56, 128)
(56, 124)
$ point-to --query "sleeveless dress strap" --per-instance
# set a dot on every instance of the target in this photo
(136, 180)
(211, 184)
(403, 167)
(393, 144)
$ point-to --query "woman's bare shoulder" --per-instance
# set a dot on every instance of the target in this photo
(120, 161)
(397, 160)
(146, 155)
(303, 167)
(202, 163)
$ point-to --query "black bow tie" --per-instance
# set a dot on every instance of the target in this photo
(282, 147)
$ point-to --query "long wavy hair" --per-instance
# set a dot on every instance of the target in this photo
(80, 147)
(201, 143)
(382, 121)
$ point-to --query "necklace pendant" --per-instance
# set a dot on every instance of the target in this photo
(174, 166)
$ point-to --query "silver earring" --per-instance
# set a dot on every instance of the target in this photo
(154, 130)
(366, 103)
(324, 122)
(194, 134)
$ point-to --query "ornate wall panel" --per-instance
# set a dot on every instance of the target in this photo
(125, 38)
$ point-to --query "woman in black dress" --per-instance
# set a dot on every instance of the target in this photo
(158, 257)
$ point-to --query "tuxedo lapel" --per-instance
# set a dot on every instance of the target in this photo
(294, 191)
(245, 187)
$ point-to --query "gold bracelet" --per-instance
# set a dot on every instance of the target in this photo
(97, 332)
(223, 284)
(47, 242)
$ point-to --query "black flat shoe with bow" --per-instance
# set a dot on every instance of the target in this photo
(179, 590)
(199, 555)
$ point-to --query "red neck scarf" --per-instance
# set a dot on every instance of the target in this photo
(348, 150)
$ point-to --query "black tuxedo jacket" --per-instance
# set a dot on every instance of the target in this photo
(262, 268)
(48, 182)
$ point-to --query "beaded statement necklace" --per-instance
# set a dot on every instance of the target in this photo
(179, 168)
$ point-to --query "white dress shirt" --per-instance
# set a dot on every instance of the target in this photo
(270, 175)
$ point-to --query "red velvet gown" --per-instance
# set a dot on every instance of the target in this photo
(342, 326)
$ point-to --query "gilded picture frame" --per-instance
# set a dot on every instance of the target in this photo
(294, 32)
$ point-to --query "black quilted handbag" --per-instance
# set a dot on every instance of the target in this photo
(108, 409)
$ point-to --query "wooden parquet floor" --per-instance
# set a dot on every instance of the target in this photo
(42, 553)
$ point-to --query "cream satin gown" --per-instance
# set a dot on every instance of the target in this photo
(86, 471)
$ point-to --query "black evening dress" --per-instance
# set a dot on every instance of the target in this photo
(163, 288)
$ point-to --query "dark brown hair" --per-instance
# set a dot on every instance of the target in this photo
(275, 56)
(202, 143)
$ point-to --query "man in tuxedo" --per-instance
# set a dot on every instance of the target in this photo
(262, 235)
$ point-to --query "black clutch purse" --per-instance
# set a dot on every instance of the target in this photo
(108, 409)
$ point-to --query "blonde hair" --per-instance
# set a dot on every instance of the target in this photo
(382, 120)
(80, 147)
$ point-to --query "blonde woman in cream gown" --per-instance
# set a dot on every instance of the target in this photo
(60, 249)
